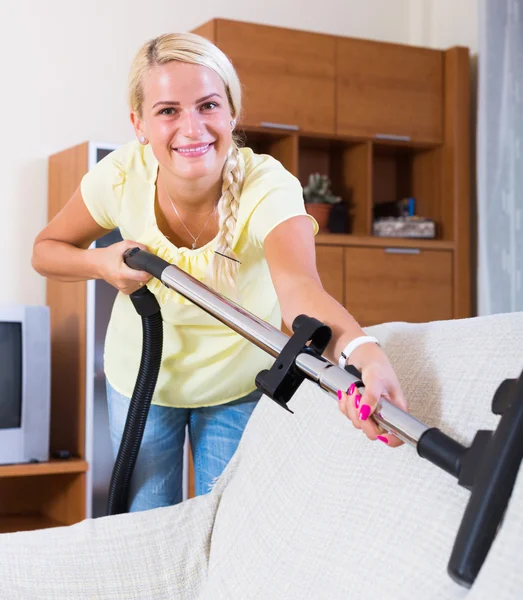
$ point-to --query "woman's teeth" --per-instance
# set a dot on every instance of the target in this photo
(198, 150)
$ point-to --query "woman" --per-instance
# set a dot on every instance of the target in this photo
(234, 219)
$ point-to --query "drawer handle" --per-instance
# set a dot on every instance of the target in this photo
(390, 136)
(402, 250)
(279, 126)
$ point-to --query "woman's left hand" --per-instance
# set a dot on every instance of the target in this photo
(379, 380)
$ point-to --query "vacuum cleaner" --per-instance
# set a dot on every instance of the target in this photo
(488, 468)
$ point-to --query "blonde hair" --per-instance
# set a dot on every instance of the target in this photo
(194, 49)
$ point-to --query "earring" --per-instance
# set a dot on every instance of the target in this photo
(143, 140)
(233, 123)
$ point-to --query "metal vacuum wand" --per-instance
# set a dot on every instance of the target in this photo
(328, 376)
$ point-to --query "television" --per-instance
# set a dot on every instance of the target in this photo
(25, 383)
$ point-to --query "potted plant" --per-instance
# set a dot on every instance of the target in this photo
(319, 199)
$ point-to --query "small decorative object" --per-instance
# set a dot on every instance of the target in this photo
(406, 207)
(404, 227)
(319, 199)
(398, 219)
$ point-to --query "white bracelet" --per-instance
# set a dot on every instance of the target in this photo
(352, 345)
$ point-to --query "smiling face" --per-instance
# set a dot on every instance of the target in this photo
(187, 120)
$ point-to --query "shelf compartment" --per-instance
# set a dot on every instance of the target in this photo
(400, 171)
(54, 499)
(348, 165)
(278, 144)
(72, 465)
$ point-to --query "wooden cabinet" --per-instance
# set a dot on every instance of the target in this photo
(384, 121)
(288, 79)
(389, 91)
(398, 284)
(381, 281)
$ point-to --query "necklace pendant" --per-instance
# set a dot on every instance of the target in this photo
(193, 246)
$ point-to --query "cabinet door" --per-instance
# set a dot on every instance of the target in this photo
(329, 262)
(287, 76)
(389, 91)
(394, 284)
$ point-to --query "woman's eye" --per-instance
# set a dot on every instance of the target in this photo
(209, 105)
(167, 111)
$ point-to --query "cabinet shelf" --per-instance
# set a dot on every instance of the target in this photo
(335, 239)
(53, 467)
(53, 498)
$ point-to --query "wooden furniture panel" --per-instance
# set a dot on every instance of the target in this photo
(287, 76)
(356, 173)
(456, 201)
(331, 239)
(426, 189)
(394, 284)
(329, 262)
(52, 467)
(66, 500)
(68, 309)
(389, 90)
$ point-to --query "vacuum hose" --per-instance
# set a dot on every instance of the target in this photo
(148, 308)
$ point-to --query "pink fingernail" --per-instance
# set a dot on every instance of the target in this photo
(339, 395)
(357, 400)
(382, 439)
(350, 391)
(364, 412)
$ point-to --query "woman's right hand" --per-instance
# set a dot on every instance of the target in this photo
(113, 269)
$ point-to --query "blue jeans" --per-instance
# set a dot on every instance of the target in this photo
(214, 434)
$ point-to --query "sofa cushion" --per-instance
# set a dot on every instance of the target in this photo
(312, 509)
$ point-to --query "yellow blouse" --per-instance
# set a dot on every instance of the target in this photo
(204, 363)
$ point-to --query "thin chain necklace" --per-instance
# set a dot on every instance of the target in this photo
(195, 239)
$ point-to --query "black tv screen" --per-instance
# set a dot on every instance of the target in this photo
(10, 375)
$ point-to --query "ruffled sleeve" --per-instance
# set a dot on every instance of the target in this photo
(270, 195)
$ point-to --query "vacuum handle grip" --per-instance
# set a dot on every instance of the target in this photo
(141, 260)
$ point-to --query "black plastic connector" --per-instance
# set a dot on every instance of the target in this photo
(141, 260)
(284, 377)
(441, 450)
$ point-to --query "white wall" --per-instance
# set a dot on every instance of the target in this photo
(64, 65)
(444, 23)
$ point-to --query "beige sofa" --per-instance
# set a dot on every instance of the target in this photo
(309, 508)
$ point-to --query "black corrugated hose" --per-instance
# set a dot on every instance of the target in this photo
(148, 308)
